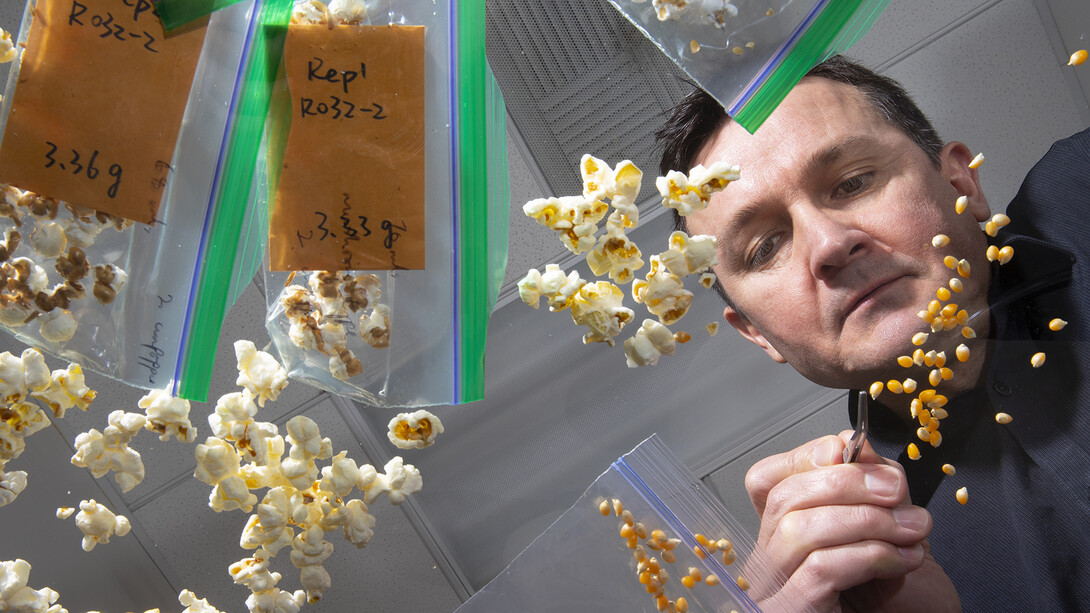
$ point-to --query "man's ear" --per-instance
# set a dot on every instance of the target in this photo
(751, 333)
(955, 158)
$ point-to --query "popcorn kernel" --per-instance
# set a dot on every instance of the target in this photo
(1056, 324)
(948, 469)
(711, 580)
(919, 338)
(1003, 418)
(977, 161)
(875, 389)
(956, 285)
(940, 240)
(904, 361)
(909, 385)
(1005, 254)
(1077, 58)
(992, 253)
(944, 294)
(962, 495)
(894, 386)
(913, 451)
(961, 204)
(1038, 359)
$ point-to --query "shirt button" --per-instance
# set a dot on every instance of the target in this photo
(1001, 388)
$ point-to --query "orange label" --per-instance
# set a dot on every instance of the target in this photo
(98, 105)
(351, 188)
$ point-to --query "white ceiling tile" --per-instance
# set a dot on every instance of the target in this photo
(994, 84)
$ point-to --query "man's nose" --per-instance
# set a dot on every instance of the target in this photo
(834, 241)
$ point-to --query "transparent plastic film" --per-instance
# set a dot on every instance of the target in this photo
(747, 54)
(177, 13)
(116, 296)
(645, 536)
(394, 337)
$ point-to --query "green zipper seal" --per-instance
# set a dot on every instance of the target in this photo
(812, 47)
(472, 201)
(177, 13)
(231, 200)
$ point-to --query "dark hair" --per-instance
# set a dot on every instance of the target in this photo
(699, 116)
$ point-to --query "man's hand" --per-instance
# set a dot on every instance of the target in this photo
(845, 535)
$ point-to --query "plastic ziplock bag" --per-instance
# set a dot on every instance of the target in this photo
(587, 560)
(183, 271)
(749, 54)
(420, 339)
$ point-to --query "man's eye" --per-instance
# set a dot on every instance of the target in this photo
(764, 252)
(852, 185)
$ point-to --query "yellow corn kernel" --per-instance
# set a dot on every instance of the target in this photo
(1077, 58)
(729, 557)
(940, 359)
(603, 507)
(904, 361)
(713, 546)
(694, 46)
(962, 495)
(922, 433)
(1005, 254)
(654, 545)
(917, 357)
(645, 577)
(1003, 418)
(937, 402)
(641, 531)
(948, 469)
(711, 580)
(724, 545)
(949, 311)
(942, 294)
(909, 385)
(946, 373)
(938, 324)
(618, 508)
(699, 552)
(652, 588)
(682, 604)
(916, 406)
(919, 338)
(626, 531)
(653, 566)
(961, 204)
(658, 535)
(1055, 325)
(962, 317)
(929, 358)
(950, 261)
(640, 553)
(664, 575)
(934, 377)
(1038, 359)
(990, 228)
(700, 538)
(956, 285)
(934, 307)
(875, 389)
(894, 386)
(977, 161)
(924, 418)
(927, 396)
(695, 573)
(913, 451)
(964, 268)
(642, 566)
(992, 253)
(926, 315)
(633, 541)
(670, 544)
(968, 332)
(626, 516)
(939, 413)
(932, 425)
(688, 581)
(668, 556)
(1000, 219)
(936, 438)
(940, 240)
(743, 583)
(661, 603)
(682, 337)
(962, 352)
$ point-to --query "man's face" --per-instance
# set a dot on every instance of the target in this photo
(825, 241)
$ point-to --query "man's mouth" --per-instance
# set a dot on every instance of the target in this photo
(869, 293)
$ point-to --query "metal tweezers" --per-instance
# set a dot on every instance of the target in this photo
(857, 402)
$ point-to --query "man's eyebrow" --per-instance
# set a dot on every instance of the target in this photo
(835, 152)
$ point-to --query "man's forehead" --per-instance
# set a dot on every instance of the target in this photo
(815, 111)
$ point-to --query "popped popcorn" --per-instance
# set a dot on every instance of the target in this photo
(598, 307)
(399, 481)
(68, 389)
(11, 485)
(309, 550)
(218, 465)
(573, 217)
(48, 239)
(65, 512)
(57, 326)
(259, 372)
(663, 293)
(193, 604)
(98, 524)
(693, 192)
(689, 255)
(615, 253)
(15, 595)
(651, 341)
(557, 288)
(414, 430)
(109, 280)
(101, 452)
(7, 47)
